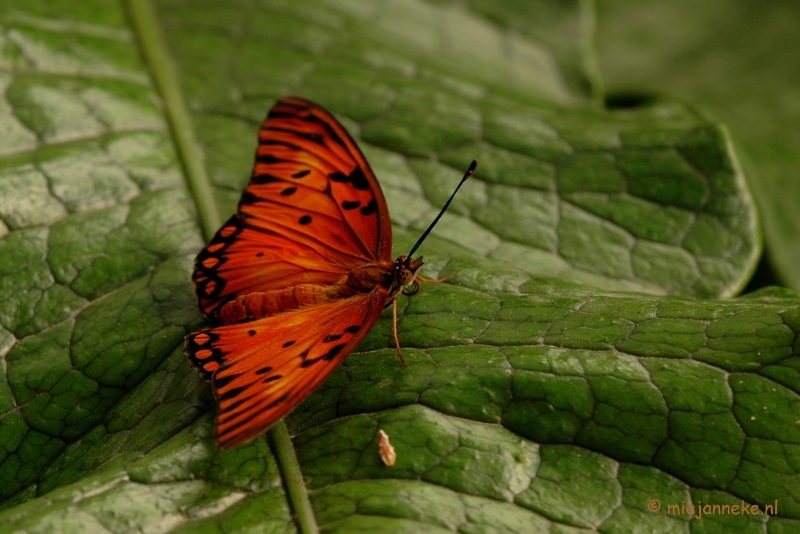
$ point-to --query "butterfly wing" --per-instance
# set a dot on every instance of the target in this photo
(313, 210)
(262, 369)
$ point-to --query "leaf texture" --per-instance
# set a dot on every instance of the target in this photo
(540, 394)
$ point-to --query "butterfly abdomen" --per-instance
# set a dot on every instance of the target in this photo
(266, 303)
(262, 304)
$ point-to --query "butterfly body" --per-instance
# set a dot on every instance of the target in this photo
(388, 276)
(298, 276)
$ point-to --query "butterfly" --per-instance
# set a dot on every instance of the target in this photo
(299, 275)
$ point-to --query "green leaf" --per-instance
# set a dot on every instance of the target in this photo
(569, 377)
(735, 59)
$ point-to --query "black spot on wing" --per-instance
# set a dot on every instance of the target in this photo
(271, 379)
(305, 219)
(281, 114)
(359, 180)
(313, 137)
(332, 337)
(331, 354)
(273, 142)
(288, 344)
(236, 404)
(356, 177)
(303, 113)
(350, 204)
(288, 191)
(352, 329)
(259, 179)
(277, 401)
(301, 174)
(264, 370)
(267, 158)
(370, 208)
(224, 381)
(231, 393)
(248, 198)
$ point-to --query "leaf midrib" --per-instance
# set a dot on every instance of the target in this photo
(157, 61)
(161, 69)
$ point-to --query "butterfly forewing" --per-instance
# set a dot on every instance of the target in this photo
(262, 369)
(313, 211)
(311, 218)
(297, 130)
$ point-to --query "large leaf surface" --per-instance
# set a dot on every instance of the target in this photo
(537, 396)
(739, 60)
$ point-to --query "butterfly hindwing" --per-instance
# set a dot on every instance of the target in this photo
(261, 369)
(312, 211)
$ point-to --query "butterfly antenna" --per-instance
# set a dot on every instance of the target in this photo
(446, 204)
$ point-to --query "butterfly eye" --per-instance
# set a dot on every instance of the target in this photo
(413, 291)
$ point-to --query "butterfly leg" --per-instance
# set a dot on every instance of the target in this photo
(394, 330)
(434, 281)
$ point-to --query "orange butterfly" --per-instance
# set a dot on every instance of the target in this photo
(299, 275)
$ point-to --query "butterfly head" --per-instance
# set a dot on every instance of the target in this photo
(405, 274)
